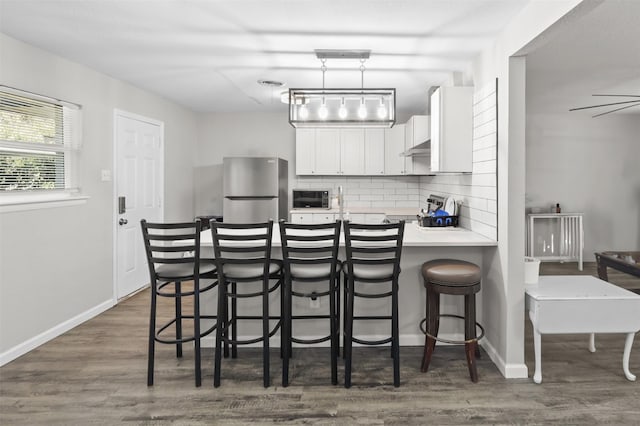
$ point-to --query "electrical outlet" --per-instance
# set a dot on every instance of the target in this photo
(314, 302)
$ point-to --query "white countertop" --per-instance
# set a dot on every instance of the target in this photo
(414, 236)
(389, 211)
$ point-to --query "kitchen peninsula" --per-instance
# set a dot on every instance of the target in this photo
(419, 245)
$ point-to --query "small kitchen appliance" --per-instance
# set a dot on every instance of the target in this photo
(436, 216)
(311, 199)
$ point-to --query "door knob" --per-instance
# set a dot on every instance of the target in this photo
(123, 221)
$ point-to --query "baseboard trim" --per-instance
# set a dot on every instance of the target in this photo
(509, 371)
(32, 343)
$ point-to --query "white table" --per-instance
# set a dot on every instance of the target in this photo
(581, 304)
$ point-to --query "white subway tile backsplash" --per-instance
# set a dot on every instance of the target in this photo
(485, 142)
(485, 166)
(485, 129)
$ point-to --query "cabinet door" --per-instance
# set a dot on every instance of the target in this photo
(408, 144)
(302, 217)
(305, 151)
(327, 152)
(323, 217)
(374, 151)
(420, 125)
(394, 164)
(352, 151)
(452, 129)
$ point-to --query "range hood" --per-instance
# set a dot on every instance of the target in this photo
(421, 150)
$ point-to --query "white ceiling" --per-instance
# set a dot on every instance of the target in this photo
(597, 54)
(209, 55)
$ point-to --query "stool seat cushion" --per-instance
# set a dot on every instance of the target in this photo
(248, 271)
(174, 271)
(312, 270)
(451, 272)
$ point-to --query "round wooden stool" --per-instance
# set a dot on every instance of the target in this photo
(455, 277)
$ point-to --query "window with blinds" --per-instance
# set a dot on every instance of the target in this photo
(39, 141)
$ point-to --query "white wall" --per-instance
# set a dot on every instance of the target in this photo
(588, 165)
(503, 287)
(56, 263)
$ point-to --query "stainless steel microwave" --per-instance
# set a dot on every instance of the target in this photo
(311, 199)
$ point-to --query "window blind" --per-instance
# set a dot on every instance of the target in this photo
(39, 139)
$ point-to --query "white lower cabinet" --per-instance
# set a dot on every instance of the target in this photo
(331, 217)
(302, 217)
(323, 217)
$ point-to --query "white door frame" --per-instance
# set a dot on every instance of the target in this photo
(114, 210)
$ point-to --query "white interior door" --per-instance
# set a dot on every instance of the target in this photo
(139, 164)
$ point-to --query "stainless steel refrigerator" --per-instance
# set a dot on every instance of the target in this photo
(255, 189)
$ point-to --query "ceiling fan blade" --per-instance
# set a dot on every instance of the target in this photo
(601, 105)
(621, 96)
(617, 109)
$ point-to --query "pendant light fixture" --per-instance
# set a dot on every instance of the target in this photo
(357, 107)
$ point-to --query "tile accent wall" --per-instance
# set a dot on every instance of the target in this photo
(477, 190)
(368, 191)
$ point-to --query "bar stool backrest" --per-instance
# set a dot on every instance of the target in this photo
(369, 245)
(173, 249)
(244, 244)
(310, 244)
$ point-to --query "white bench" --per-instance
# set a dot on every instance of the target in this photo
(561, 304)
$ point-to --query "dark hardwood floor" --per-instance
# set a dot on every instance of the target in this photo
(96, 374)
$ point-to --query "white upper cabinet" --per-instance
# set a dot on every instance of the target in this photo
(452, 130)
(327, 151)
(417, 130)
(374, 152)
(305, 151)
(351, 152)
(394, 163)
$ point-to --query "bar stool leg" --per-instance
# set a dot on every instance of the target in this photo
(152, 336)
(196, 331)
(286, 331)
(221, 327)
(265, 332)
(470, 333)
(348, 343)
(333, 331)
(178, 300)
(234, 323)
(433, 324)
(395, 340)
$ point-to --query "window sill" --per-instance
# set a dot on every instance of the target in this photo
(40, 202)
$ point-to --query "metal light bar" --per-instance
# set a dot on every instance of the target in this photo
(342, 107)
(342, 53)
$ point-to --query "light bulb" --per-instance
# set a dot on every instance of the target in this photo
(382, 111)
(303, 112)
(362, 111)
(342, 111)
(323, 112)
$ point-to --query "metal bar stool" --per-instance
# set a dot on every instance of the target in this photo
(455, 277)
(173, 256)
(310, 255)
(243, 256)
(373, 258)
